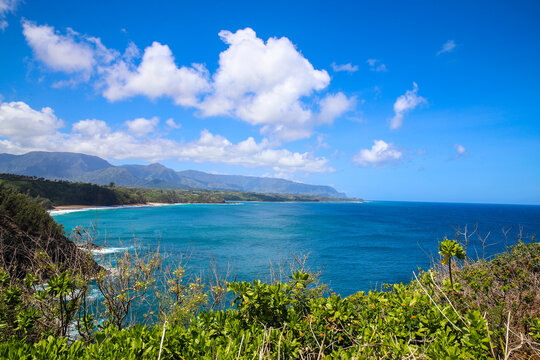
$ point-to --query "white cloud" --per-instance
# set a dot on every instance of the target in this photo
(20, 121)
(59, 52)
(262, 83)
(248, 153)
(461, 151)
(157, 75)
(117, 75)
(24, 129)
(131, 52)
(282, 175)
(333, 106)
(269, 84)
(6, 6)
(447, 47)
(376, 65)
(91, 128)
(142, 126)
(344, 67)
(404, 104)
(95, 137)
(172, 124)
(380, 154)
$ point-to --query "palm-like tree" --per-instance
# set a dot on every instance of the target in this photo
(448, 249)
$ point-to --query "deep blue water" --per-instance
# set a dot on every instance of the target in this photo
(356, 246)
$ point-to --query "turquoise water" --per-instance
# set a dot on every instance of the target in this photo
(357, 246)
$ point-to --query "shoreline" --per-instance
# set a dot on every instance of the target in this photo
(83, 207)
(87, 207)
(66, 209)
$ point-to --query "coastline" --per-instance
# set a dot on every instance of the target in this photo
(66, 209)
(83, 207)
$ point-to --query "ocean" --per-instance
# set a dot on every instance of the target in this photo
(355, 246)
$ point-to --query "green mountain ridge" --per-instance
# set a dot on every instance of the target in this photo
(87, 168)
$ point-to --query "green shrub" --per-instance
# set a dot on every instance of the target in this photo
(297, 318)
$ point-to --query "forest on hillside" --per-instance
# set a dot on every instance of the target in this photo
(51, 193)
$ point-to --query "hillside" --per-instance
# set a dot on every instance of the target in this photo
(51, 193)
(92, 169)
(30, 238)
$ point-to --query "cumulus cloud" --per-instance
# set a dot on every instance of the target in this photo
(344, 67)
(142, 126)
(20, 121)
(460, 149)
(447, 47)
(70, 53)
(249, 153)
(333, 106)
(6, 6)
(262, 83)
(157, 75)
(24, 129)
(95, 137)
(269, 84)
(405, 103)
(380, 154)
(376, 65)
(91, 128)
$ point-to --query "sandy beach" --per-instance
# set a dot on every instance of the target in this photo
(63, 209)
(82, 207)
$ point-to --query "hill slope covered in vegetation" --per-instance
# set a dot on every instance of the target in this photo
(31, 241)
(57, 193)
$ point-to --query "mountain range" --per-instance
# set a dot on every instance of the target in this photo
(92, 169)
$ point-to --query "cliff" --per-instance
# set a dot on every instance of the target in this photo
(30, 238)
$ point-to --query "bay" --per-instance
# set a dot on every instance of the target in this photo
(356, 246)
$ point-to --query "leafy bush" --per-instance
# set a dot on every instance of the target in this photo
(288, 320)
(487, 310)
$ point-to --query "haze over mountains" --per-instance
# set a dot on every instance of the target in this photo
(93, 169)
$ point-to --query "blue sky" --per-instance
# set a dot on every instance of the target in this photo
(416, 101)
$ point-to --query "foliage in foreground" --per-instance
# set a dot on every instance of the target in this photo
(489, 311)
